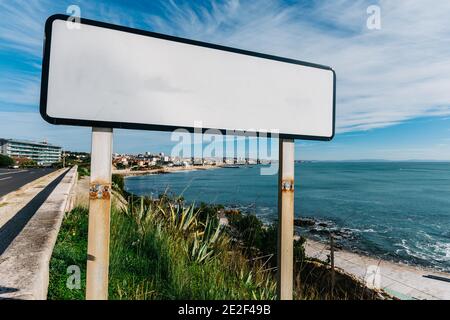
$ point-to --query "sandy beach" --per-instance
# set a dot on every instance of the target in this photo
(405, 282)
(128, 172)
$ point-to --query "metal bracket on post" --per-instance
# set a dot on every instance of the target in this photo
(99, 215)
(285, 219)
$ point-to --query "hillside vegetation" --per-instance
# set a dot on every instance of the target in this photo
(166, 249)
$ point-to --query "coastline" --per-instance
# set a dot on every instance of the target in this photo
(405, 282)
(400, 280)
(164, 170)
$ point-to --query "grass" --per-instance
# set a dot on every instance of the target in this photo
(163, 249)
(70, 249)
(160, 250)
(83, 171)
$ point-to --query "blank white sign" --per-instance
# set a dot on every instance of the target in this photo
(105, 75)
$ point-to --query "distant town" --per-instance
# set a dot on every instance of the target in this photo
(32, 153)
(150, 160)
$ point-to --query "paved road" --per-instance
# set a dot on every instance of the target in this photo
(13, 179)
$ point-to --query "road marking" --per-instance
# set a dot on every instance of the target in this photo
(5, 178)
(12, 172)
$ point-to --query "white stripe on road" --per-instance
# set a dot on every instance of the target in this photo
(5, 178)
(12, 172)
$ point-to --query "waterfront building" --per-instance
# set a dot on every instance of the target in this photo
(41, 152)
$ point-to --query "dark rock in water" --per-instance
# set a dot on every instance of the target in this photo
(322, 224)
(346, 233)
(304, 222)
(320, 232)
(338, 234)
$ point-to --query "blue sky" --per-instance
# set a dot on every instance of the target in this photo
(393, 83)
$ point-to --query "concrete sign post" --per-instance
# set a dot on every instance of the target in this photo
(107, 76)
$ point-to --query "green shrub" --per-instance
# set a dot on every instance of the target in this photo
(28, 163)
(83, 171)
(5, 161)
(261, 240)
(249, 229)
(58, 165)
(206, 211)
(118, 183)
(120, 166)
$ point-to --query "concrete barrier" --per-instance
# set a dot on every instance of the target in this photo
(24, 266)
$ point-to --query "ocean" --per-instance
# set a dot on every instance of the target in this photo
(398, 211)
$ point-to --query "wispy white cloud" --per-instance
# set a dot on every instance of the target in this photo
(21, 28)
(19, 89)
(385, 77)
(21, 38)
(22, 34)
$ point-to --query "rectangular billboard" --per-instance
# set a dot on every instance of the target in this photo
(102, 75)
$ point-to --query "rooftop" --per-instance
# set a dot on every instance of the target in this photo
(42, 143)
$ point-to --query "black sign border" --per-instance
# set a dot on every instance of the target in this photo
(138, 126)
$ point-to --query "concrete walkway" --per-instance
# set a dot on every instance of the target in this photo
(32, 232)
(399, 280)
